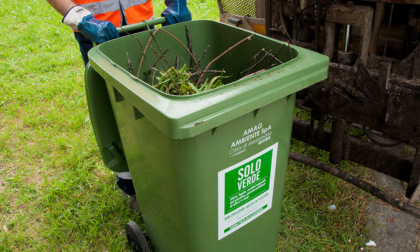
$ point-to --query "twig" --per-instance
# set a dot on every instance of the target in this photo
(158, 57)
(271, 66)
(258, 62)
(177, 62)
(275, 55)
(147, 76)
(153, 77)
(144, 54)
(290, 50)
(209, 71)
(168, 33)
(130, 68)
(138, 42)
(182, 44)
(251, 74)
(254, 58)
(204, 54)
(190, 47)
(218, 57)
(164, 58)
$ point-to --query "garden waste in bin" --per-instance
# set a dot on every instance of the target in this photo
(208, 169)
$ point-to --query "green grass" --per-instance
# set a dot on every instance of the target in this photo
(307, 224)
(55, 192)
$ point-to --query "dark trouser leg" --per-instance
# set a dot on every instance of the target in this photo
(84, 44)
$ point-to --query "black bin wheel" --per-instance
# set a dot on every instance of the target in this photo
(136, 238)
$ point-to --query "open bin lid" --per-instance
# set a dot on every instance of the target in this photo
(187, 116)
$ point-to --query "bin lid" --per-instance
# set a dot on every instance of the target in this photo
(187, 116)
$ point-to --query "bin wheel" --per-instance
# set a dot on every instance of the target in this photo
(136, 238)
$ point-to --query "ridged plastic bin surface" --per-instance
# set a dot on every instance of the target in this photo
(185, 154)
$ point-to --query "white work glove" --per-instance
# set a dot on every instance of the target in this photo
(82, 20)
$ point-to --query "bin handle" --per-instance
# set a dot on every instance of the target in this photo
(142, 25)
(138, 26)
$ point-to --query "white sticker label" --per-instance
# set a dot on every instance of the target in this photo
(245, 190)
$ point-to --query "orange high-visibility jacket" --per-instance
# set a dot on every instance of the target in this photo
(134, 11)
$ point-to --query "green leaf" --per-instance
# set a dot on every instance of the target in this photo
(193, 87)
(212, 81)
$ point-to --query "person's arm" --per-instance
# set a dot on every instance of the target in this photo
(82, 20)
(62, 6)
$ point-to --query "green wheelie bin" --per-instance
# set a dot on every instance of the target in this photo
(208, 169)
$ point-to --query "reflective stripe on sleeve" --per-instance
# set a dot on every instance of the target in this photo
(102, 7)
(130, 3)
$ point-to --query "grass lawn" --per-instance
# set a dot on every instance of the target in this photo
(55, 192)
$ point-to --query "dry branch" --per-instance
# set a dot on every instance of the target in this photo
(218, 57)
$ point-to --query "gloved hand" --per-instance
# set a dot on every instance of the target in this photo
(176, 12)
(82, 20)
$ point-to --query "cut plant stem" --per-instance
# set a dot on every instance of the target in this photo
(154, 65)
(177, 62)
(275, 55)
(144, 54)
(290, 50)
(130, 68)
(190, 46)
(176, 39)
(209, 71)
(218, 57)
(139, 43)
(267, 54)
(251, 74)
(258, 62)
(204, 54)
(158, 57)
(254, 58)
(164, 58)
(201, 58)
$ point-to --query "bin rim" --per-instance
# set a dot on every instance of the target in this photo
(219, 89)
(187, 116)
